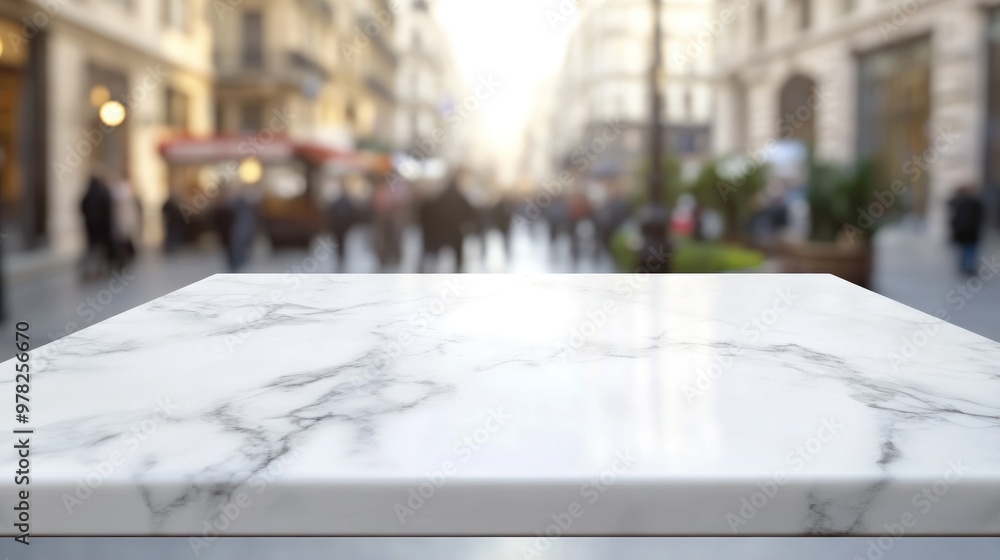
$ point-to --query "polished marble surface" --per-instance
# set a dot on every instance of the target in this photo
(509, 548)
(516, 405)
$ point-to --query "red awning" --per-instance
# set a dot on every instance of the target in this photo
(319, 154)
(220, 149)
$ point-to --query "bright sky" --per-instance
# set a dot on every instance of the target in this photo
(518, 43)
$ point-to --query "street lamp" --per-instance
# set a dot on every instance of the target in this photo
(250, 171)
(654, 216)
(111, 113)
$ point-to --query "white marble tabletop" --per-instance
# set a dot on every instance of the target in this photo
(541, 406)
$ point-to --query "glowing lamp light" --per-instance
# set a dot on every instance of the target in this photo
(99, 95)
(112, 113)
(1, 46)
(250, 171)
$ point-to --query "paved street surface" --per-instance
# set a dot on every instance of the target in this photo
(921, 271)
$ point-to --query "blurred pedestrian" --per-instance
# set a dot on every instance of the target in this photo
(768, 222)
(389, 212)
(242, 210)
(126, 219)
(173, 223)
(501, 216)
(966, 225)
(444, 220)
(222, 219)
(578, 209)
(611, 215)
(557, 215)
(341, 215)
(96, 209)
(697, 231)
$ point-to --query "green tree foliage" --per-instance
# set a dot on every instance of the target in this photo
(731, 188)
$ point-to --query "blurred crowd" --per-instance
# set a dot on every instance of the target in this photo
(445, 212)
(112, 217)
(585, 212)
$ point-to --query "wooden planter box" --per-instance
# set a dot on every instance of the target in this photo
(850, 262)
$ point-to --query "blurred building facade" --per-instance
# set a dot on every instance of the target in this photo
(605, 82)
(323, 72)
(60, 63)
(278, 58)
(537, 157)
(913, 84)
(370, 59)
(426, 85)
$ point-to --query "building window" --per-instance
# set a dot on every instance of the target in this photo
(113, 150)
(251, 117)
(797, 110)
(252, 50)
(893, 111)
(416, 40)
(760, 24)
(176, 110)
(688, 105)
(805, 14)
(686, 142)
(175, 14)
(220, 117)
(847, 6)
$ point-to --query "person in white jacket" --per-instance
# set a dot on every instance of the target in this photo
(126, 222)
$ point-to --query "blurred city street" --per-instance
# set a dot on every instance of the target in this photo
(172, 142)
(146, 145)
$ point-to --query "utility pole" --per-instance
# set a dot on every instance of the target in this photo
(654, 216)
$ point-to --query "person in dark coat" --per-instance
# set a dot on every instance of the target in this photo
(966, 225)
(501, 216)
(96, 207)
(173, 224)
(341, 215)
(609, 217)
(444, 220)
(429, 234)
(243, 227)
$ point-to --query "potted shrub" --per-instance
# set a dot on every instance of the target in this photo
(729, 187)
(839, 234)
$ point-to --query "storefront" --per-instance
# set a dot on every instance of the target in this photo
(23, 207)
(104, 85)
(894, 85)
(290, 175)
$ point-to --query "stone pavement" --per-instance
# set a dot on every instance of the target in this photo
(920, 269)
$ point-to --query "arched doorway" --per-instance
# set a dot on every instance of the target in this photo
(797, 110)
